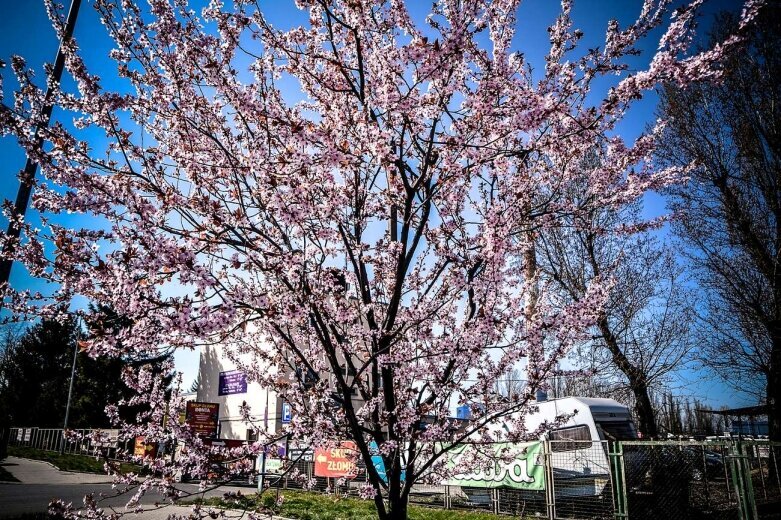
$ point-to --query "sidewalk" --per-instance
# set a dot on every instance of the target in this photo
(39, 482)
(30, 471)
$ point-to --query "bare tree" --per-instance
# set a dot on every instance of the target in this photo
(730, 209)
(642, 334)
(511, 385)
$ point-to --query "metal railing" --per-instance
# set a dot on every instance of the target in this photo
(88, 441)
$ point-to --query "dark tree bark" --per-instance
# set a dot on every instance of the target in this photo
(642, 333)
(638, 383)
(731, 208)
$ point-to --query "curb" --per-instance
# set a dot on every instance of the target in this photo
(72, 472)
(60, 469)
(242, 511)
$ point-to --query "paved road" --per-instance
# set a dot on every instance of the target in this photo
(41, 482)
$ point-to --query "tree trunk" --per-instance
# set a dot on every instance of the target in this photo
(637, 381)
(396, 499)
(5, 435)
(644, 409)
(774, 385)
(397, 508)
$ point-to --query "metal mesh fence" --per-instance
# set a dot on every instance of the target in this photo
(521, 504)
(762, 464)
(683, 480)
(579, 479)
(635, 480)
(583, 479)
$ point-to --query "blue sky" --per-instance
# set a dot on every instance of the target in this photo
(25, 30)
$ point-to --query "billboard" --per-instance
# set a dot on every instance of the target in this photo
(514, 466)
(336, 462)
(232, 382)
(304, 454)
(203, 418)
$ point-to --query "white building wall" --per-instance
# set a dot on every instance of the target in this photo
(265, 408)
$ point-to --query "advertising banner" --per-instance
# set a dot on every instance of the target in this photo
(511, 465)
(379, 464)
(272, 465)
(275, 454)
(203, 418)
(232, 382)
(336, 462)
(142, 449)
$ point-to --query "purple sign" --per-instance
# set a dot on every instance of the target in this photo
(232, 382)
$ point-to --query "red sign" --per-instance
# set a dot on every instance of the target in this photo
(203, 418)
(336, 462)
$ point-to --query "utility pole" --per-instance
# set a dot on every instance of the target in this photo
(27, 177)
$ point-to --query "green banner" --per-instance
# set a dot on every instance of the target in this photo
(509, 465)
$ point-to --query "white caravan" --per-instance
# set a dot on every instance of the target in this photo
(579, 445)
(577, 438)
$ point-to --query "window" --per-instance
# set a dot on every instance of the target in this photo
(306, 376)
(568, 439)
(618, 430)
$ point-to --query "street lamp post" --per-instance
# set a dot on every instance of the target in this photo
(70, 386)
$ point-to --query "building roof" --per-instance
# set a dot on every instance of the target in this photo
(749, 411)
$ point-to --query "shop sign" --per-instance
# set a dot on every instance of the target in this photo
(203, 418)
(336, 462)
(232, 382)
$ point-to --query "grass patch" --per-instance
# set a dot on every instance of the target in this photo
(67, 461)
(5, 475)
(315, 506)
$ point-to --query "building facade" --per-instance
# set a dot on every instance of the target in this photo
(223, 383)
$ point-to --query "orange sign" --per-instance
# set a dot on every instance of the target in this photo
(336, 462)
(142, 449)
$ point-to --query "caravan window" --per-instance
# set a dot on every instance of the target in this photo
(618, 430)
(576, 437)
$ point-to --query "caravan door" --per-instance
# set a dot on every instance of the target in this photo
(579, 462)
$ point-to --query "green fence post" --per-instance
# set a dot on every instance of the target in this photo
(550, 490)
(751, 502)
(741, 481)
(616, 453)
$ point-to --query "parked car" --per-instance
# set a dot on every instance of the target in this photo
(703, 463)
